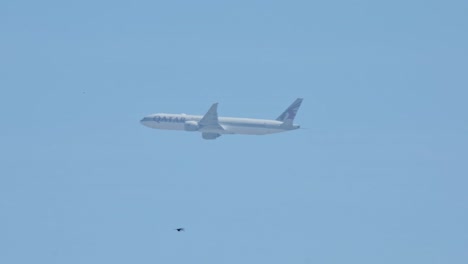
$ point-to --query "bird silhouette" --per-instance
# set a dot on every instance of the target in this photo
(180, 229)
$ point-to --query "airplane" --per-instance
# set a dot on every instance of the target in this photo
(211, 126)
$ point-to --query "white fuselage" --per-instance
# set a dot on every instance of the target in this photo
(229, 125)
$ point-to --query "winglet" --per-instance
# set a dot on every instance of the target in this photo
(290, 113)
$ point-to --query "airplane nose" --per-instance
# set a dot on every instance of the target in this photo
(145, 121)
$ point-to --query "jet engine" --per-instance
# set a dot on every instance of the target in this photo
(191, 126)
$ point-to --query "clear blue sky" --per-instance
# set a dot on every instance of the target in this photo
(378, 176)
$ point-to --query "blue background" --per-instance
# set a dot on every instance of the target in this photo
(378, 176)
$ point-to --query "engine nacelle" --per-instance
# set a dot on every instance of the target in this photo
(191, 126)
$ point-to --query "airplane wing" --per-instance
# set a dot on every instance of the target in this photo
(211, 117)
(209, 124)
(210, 135)
(210, 120)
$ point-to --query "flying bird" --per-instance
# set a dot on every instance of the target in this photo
(180, 229)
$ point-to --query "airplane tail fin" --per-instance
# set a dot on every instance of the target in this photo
(289, 114)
